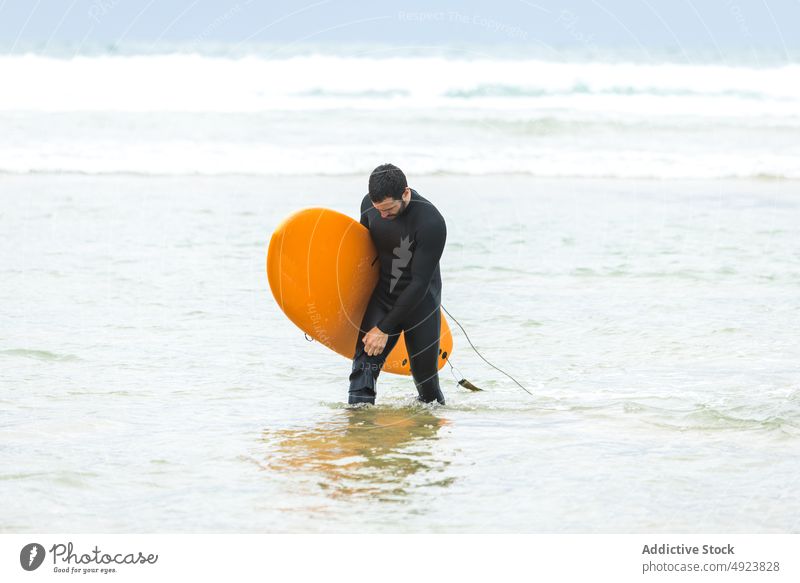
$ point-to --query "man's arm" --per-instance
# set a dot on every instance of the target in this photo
(365, 206)
(430, 245)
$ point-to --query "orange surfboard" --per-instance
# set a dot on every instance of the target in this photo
(322, 268)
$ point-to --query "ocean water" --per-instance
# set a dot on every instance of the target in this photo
(149, 383)
(222, 110)
(622, 239)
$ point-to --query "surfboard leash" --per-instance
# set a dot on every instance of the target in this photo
(464, 382)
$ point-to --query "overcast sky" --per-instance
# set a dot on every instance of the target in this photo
(709, 24)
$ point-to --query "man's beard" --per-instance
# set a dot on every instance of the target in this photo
(403, 205)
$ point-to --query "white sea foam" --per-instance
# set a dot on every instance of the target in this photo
(195, 114)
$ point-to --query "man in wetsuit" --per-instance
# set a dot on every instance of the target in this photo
(409, 234)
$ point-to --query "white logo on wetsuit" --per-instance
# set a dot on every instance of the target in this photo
(402, 256)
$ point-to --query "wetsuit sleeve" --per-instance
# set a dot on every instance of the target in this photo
(365, 205)
(430, 245)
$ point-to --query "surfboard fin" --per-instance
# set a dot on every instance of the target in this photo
(468, 385)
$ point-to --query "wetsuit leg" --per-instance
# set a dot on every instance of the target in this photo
(366, 368)
(422, 340)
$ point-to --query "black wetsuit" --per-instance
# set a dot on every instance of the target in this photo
(406, 298)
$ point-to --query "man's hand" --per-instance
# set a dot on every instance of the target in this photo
(374, 341)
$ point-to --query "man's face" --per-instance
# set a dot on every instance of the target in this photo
(390, 208)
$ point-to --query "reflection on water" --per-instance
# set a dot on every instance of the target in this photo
(373, 451)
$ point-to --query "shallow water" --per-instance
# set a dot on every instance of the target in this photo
(149, 383)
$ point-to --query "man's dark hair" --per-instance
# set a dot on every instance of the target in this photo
(387, 180)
